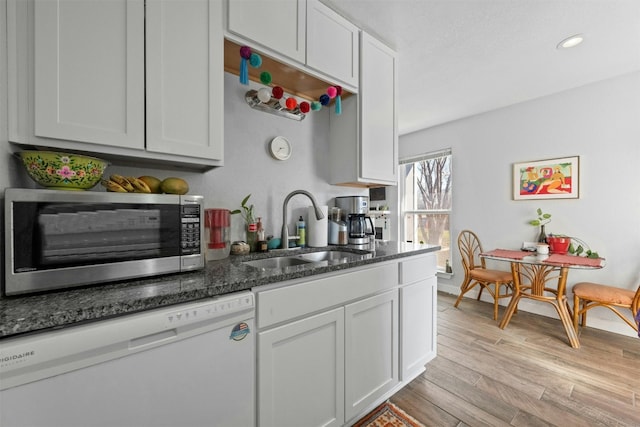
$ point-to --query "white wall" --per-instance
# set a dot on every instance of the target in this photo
(601, 124)
(250, 169)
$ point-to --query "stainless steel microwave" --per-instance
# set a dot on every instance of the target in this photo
(58, 239)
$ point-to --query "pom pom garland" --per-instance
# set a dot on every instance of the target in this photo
(291, 103)
(245, 54)
(265, 77)
(338, 100)
(264, 94)
(255, 60)
(324, 99)
(277, 92)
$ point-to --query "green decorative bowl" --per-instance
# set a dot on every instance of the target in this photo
(63, 171)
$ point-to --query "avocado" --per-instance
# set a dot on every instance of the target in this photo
(173, 185)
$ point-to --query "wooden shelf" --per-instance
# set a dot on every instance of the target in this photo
(292, 80)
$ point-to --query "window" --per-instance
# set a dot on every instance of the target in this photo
(425, 201)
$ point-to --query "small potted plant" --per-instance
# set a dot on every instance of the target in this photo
(246, 211)
(559, 243)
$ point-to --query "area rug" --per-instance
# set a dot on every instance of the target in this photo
(388, 415)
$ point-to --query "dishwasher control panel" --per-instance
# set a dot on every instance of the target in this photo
(211, 309)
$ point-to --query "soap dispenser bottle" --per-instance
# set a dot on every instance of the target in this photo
(301, 232)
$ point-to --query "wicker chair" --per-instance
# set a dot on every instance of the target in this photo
(476, 273)
(588, 295)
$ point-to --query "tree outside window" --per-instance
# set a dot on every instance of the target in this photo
(425, 188)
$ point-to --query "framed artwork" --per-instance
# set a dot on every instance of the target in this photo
(547, 179)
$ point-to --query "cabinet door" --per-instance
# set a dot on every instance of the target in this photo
(417, 327)
(279, 25)
(332, 43)
(371, 351)
(301, 372)
(89, 71)
(184, 57)
(378, 119)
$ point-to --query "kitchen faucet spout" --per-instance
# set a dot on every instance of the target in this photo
(284, 237)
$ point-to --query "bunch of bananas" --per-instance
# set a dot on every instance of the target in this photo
(125, 184)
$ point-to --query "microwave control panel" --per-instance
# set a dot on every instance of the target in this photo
(191, 229)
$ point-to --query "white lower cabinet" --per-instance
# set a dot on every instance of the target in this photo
(332, 348)
(418, 314)
(418, 327)
(301, 369)
(371, 351)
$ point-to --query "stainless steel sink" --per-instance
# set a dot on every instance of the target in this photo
(277, 262)
(315, 259)
(330, 256)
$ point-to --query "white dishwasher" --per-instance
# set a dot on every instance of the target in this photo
(185, 365)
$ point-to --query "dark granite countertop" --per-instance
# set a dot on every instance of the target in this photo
(36, 313)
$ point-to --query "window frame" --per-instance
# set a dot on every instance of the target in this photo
(402, 213)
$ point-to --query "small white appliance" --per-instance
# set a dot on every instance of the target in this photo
(381, 225)
(185, 365)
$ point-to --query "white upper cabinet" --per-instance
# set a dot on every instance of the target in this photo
(318, 40)
(378, 130)
(332, 43)
(185, 75)
(364, 138)
(89, 79)
(279, 25)
(81, 83)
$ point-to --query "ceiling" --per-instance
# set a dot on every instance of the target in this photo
(458, 58)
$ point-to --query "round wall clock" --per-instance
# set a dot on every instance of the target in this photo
(280, 148)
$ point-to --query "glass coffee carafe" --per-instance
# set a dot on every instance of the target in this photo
(360, 229)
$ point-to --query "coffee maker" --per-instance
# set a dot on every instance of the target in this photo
(355, 210)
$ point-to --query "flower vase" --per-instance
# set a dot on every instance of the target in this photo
(542, 238)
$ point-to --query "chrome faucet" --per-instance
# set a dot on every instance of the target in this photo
(284, 237)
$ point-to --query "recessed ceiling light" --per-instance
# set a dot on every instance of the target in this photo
(570, 42)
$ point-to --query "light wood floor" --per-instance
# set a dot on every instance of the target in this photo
(525, 375)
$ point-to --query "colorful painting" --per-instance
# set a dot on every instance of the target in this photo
(546, 179)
